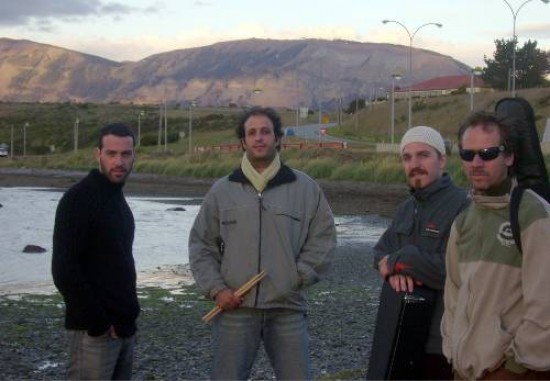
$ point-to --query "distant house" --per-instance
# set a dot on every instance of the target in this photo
(441, 86)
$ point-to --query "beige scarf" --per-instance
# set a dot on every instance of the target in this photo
(259, 180)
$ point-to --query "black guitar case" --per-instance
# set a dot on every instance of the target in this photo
(529, 166)
(402, 327)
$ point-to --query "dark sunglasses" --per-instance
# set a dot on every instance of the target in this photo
(486, 154)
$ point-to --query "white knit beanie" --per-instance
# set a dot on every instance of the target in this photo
(426, 135)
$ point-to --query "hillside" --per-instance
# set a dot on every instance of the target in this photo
(289, 73)
(445, 113)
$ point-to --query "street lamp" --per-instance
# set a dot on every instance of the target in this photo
(256, 90)
(514, 41)
(474, 72)
(140, 114)
(394, 77)
(25, 138)
(411, 37)
(384, 94)
(320, 89)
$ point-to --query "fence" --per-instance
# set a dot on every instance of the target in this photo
(237, 147)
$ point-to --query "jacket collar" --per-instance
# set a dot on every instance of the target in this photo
(424, 194)
(104, 183)
(284, 176)
(499, 200)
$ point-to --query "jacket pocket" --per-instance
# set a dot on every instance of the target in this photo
(290, 225)
(404, 227)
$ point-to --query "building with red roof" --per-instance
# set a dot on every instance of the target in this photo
(441, 86)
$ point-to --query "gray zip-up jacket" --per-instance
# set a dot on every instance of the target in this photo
(417, 238)
(288, 230)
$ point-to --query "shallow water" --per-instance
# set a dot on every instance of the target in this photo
(27, 217)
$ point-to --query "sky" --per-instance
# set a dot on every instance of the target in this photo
(122, 30)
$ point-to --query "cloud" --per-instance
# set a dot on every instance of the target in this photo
(202, 3)
(41, 13)
(139, 47)
(534, 31)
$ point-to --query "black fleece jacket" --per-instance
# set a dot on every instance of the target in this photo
(417, 239)
(92, 263)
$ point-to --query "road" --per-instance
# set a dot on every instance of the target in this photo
(311, 132)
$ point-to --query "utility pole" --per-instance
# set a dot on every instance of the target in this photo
(76, 134)
(25, 138)
(191, 105)
(11, 147)
(140, 114)
(356, 112)
(160, 128)
(165, 127)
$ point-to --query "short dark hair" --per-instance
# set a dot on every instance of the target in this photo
(265, 111)
(508, 136)
(117, 129)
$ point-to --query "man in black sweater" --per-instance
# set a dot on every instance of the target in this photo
(93, 266)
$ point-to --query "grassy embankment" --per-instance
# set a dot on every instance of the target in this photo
(53, 124)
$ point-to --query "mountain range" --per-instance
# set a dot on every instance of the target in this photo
(280, 73)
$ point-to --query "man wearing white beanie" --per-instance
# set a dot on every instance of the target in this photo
(411, 252)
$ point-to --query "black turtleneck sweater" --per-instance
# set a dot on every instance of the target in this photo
(92, 263)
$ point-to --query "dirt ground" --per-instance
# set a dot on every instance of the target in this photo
(345, 197)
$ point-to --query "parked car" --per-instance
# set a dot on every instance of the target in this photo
(3, 150)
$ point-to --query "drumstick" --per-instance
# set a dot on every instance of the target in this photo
(240, 292)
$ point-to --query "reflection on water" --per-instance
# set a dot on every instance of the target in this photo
(360, 228)
(27, 217)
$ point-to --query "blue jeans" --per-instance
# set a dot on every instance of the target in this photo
(99, 358)
(237, 336)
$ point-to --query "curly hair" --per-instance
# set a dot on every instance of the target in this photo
(268, 112)
(509, 136)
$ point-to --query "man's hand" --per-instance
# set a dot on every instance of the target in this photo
(383, 267)
(112, 332)
(400, 283)
(403, 283)
(227, 300)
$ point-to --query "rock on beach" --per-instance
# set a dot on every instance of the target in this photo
(34, 249)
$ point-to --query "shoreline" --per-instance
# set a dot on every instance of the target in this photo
(344, 197)
(169, 278)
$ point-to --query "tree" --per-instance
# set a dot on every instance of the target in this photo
(531, 65)
(356, 105)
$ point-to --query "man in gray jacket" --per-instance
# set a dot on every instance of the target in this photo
(263, 216)
(411, 251)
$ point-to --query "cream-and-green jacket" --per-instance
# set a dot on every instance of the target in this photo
(497, 300)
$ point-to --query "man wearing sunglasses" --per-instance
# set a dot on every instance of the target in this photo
(495, 324)
(411, 252)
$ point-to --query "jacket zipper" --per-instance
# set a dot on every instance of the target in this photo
(260, 207)
(457, 350)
